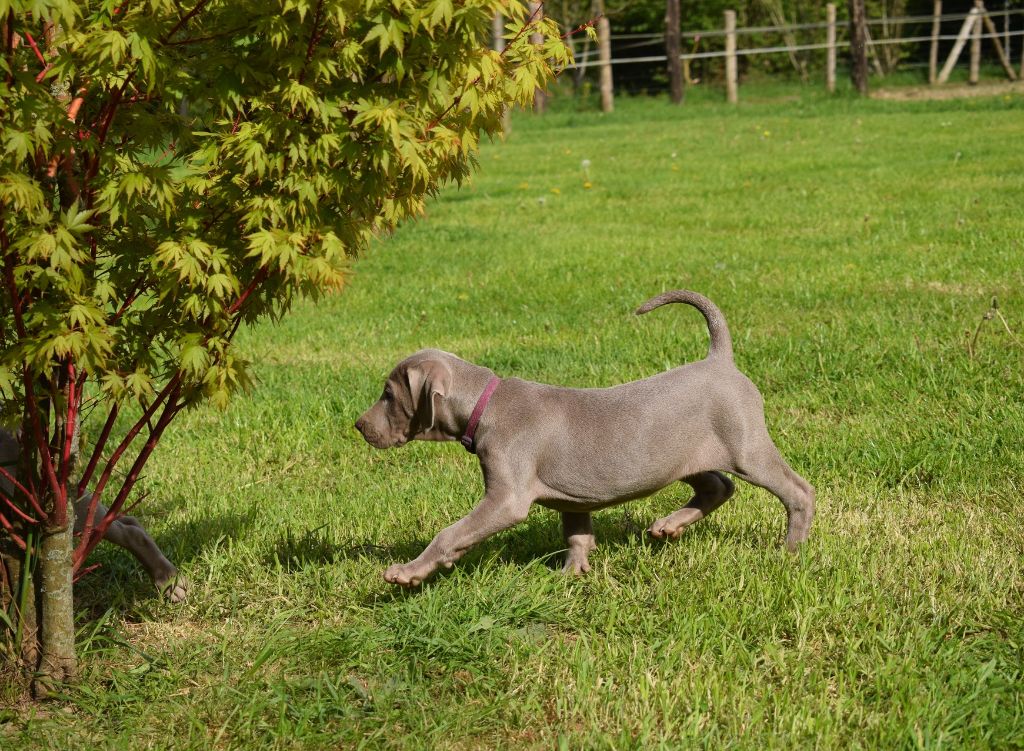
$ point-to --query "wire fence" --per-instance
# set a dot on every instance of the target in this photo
(622, 43)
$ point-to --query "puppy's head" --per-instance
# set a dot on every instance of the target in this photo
(408, 408)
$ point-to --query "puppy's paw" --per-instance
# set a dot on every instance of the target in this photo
(174, 587)
(576, 565)
(664, 529)
(793, 547)
(403, 575)
(672, 526)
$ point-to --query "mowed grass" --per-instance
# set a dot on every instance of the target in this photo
(854, 247)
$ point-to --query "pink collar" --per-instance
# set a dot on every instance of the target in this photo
(478, 410)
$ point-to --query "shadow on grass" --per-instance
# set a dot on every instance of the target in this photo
(538, 539)
(121, 584)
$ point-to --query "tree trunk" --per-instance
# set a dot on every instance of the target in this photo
(778, 16)
(57, 661)
(858, 46)
(498, 45)
(604, 48)
(540, 99)
(673, 51)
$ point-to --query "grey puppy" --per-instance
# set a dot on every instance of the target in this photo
(126, 532)
(580, 450)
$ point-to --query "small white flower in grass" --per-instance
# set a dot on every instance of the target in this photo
(585, 166)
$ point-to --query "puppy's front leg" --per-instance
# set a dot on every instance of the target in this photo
(497, 511)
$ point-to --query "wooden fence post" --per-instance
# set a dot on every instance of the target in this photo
(604, 48)
(958, 45)
(830, 40)
(731, 76)
(872, 52)
(933, 53)
(540, 99)
(1004, 58)
(673, 51)
(972, 77)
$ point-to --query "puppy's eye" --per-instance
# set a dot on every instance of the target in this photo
(387, 395)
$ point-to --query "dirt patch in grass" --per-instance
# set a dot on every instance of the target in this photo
(955, 91)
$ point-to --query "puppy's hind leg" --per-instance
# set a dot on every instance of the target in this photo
(711, 490)
(132, 536)
(766, 468)
(129, 534)
(579, 538)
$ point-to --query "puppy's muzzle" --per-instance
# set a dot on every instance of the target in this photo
(369, 435)
(373, 436)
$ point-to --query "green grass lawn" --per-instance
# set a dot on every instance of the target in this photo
(854, 247)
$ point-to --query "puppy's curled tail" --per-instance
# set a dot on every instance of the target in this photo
(721, 341)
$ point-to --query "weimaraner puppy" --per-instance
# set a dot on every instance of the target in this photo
(580, 450)
(125, 531)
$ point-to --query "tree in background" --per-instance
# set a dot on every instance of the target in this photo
(174, 171)
(890, 55)
(858, 47)
(673, 51)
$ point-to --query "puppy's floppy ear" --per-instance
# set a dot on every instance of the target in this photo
(428, 379)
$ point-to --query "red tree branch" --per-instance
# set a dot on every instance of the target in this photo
(15, 537)
(60, 499)
(207, 38)
(172, 386)
(261, 276)
(106, 117)
(82, 572)
(35, 48)
(314, 39)
(14, 507)
(133, 295)
(97, 451)
(90, 540)
(184, 20)
(70, 418)
(582, 26)
(31, 496)
(9, 45)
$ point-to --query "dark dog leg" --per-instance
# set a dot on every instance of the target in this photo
(711, 490)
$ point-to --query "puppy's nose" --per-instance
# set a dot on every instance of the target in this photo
(360, 424)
